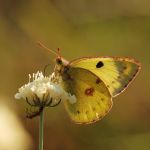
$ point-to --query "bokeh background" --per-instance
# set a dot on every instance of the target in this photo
(79, 28)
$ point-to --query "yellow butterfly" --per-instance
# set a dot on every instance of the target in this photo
(94, 81)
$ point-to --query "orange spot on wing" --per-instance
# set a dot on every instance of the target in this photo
(89, 91)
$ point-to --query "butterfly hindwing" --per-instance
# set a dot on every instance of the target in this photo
(93, 98)
(116, 73)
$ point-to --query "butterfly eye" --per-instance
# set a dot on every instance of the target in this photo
(59, 61)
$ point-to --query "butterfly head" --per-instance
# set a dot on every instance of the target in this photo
(60, 60)
(60, 63)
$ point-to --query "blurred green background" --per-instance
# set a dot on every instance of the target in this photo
(79, 28)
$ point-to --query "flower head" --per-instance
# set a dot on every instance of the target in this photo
(43, 91)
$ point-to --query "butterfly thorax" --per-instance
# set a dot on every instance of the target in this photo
(61, 68)
(60, 65)
(62, 73)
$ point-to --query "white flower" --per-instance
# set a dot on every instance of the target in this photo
(41, 91)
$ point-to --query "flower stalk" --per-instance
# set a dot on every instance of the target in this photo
(41, 130)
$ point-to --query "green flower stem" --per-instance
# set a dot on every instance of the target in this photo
(41, 130)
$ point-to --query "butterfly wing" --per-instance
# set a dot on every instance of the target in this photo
(116, 73)
(93, 98)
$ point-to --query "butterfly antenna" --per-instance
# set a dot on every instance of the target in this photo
(43, 46)
(58, 50)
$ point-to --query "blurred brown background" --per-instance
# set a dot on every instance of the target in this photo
(80, 28)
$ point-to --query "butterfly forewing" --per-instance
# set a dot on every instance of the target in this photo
(116, 73)
(93, 98)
